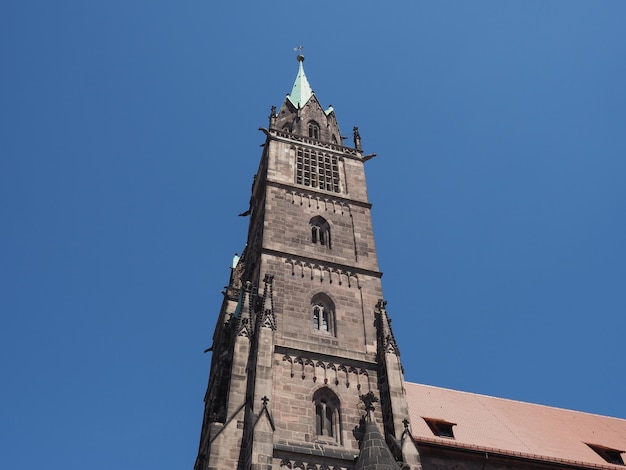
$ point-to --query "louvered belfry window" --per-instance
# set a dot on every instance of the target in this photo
(317, 170)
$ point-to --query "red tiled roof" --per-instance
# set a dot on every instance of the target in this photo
(511, 427)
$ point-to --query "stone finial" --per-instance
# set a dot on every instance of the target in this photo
(369, 399)
(374, 451)
(267, 318)
(357, 138)
(272, 117)
(385, 334)
(236, 271)
(244, 310)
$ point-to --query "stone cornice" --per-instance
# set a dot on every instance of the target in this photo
(335, 267)
(330, 358)
(346, 152)
(322, 195)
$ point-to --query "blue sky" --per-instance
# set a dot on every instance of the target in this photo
(128, 142)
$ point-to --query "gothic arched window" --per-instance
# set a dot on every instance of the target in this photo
(314, 130)
(323, 313)
(327, 415)
(320, 231)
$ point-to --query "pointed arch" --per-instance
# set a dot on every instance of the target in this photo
(327, 414)
(320, 231)
(323, 313)
(314, 130)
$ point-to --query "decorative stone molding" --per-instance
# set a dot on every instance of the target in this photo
(243, 313)
(316, 143)
(321, 272)
(327, 372)
(254, 311)
(318, 202)
(266, 317)
(288, 464)
(386, 337)
(244, 328)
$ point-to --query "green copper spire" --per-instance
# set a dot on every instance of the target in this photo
(301, 91)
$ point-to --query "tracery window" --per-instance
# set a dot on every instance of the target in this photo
(317, 169)
(320, 318)
(327, 414)
(320, 231)
(323, 313)
(314, 130)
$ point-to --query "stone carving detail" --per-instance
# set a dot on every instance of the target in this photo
(267, 319)
(323, 273)
(318, 202)
(317, 143)
(253, 310)
(328, 372)
(343, 369)
(288, 464)
(289, 359)
(237, 271)
(357, 138)
(243, 313)
(385, 333)
(244, 328)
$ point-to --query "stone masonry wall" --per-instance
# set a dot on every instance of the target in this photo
(297, 378)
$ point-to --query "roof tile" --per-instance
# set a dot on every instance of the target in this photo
(513, 427)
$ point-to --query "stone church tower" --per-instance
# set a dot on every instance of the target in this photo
(305, 372)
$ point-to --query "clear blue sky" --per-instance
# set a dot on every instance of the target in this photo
(128, 142)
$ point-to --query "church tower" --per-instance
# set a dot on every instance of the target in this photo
(305, 371)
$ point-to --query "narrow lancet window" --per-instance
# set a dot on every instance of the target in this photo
(314, 130)
(323, 313)
(327, 415)
(320, 231)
